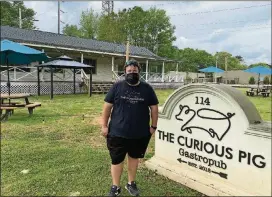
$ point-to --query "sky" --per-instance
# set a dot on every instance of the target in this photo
(238, 27)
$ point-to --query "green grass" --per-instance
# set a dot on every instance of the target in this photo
(65, 152)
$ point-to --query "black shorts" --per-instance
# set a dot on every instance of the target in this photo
(119, 147)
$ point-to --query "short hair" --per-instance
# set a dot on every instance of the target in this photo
(132, 62)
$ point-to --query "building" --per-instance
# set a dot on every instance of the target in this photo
(106, 57)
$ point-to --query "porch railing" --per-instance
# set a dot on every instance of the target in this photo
(30, 74)
(151, 77)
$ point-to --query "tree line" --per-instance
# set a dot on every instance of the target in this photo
(150, 28)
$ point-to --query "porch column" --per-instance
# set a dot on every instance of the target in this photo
(81, 73)
(42, 69)
(112, 67)
(91, 83)
(39, 84)
(163, 71)
(51, 80)
(74, 80)
(177, 73)
(14, 74)
(146, 71)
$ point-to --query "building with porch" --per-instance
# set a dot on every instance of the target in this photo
(106, 58)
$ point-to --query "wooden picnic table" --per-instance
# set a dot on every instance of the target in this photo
(10, 106)
(259, 91)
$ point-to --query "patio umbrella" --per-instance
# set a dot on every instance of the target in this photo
(64, 62)
(260, 70)
(211, 69)
(17, 54)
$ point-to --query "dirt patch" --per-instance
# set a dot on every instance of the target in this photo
(97, 141)
(96, 120)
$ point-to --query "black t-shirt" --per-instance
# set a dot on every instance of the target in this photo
(130, 117)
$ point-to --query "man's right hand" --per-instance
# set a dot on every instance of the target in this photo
(105, 131)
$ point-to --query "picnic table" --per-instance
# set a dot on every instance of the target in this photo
(259, 91)
(10, 105)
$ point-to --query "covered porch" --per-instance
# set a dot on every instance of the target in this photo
(107, 67)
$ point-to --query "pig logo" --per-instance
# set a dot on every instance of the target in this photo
(218, 123)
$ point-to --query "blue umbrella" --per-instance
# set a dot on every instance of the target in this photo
(260, 70)
(17, 54)
(211, 69)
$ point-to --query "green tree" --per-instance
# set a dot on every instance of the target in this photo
(151, 29)
(159, 34)
(194, 59)
(10, 14)
(260, 64)
(240, 58)
(266, 80)
(71, 30)
(225, 61)
(251, 80)
(88, 26)
(110, 29)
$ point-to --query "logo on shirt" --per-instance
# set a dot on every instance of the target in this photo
(132, 97)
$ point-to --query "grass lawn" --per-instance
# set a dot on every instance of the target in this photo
(63, 153)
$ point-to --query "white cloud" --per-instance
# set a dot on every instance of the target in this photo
(238, 31)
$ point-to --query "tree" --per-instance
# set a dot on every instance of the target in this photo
(71, 30)
(240, 58)
(159, 32)
(110, 29)
(151, 29)
(251, 80)
(194, 59)
(260, 64)
(88, 26)
(266, 80)
(10, 14)
(225, 58)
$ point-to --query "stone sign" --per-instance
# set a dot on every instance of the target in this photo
(212, 139)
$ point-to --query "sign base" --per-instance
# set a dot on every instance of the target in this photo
(185, 177)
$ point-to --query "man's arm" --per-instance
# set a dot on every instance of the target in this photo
(106, 114)
(154, 115)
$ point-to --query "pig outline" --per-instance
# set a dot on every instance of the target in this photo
(210, 131)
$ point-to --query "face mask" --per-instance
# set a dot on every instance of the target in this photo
(132, 78)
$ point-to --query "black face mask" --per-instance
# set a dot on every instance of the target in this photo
(132, 78)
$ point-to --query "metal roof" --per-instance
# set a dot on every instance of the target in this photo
(64, 62)
(59, 40)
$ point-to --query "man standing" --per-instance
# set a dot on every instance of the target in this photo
(128, 103)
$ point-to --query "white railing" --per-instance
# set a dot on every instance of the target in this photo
(152, 77)
(19, 74)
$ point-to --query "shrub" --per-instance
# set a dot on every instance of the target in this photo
(251, 80)
(266, 80)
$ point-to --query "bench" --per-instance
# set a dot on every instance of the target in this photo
(32, 106)
(265, 94)
(250, 93)
(8, 109)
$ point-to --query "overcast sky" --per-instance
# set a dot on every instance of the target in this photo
(239, 27)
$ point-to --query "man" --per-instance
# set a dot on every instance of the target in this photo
(129, 103)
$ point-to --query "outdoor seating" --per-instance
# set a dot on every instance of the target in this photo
(8, 112)
(9, 106)
(250, 92)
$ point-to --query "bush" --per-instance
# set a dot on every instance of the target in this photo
(266, 80)
(251, 80)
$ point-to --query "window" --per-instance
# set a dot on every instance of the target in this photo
(90, 62)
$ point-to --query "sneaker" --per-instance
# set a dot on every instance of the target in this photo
(115, 191)
(132, 189)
